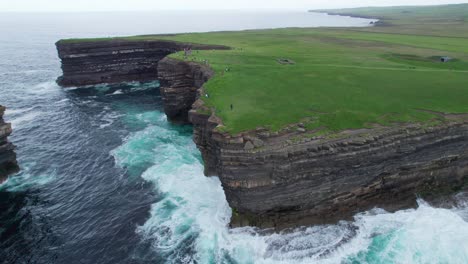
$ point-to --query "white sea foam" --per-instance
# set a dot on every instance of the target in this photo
(11, 111)
(117, 92)
(21, 116)
(63, 100)
(190, 222)
(108, 119)
(44, 88)
(25, 180)
(22, 120)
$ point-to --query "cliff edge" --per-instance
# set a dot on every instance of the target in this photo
(119, 60)
(116, 60)
(291, 177)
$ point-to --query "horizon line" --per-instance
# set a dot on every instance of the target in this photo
(218, 9)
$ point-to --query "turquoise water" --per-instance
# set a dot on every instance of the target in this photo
(136, 181)
(189, 222)
(106, 179)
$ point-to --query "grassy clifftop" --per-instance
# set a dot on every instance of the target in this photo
(340, 78)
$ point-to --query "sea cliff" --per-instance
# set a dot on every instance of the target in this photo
(8, 164)
(284, 179)
(116, 60)
(180, 84)
(290, 177)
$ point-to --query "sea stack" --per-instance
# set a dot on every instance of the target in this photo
(116, 60)
(8, 164)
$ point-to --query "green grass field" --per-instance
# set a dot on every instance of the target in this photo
(343, 78)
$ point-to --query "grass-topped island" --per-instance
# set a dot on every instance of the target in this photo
(310, 125)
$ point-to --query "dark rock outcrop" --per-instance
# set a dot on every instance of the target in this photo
(119, 60)
(291, 177)
(279, 183)
(8, 164)
(180, 82)
(115, 60)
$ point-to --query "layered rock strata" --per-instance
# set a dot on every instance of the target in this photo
(8, 164)
(115, 60)
(293, 177)
(180, 82)
(289, 178)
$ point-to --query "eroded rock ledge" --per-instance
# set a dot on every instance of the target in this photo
(8, 164)
(180, 82)
(291, 177)
(116, 60)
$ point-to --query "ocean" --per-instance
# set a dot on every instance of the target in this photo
(106, 179)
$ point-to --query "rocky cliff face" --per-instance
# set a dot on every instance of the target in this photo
(180, 82)
(8, 163)
(288, 178)
(291, 177)
(115, 60)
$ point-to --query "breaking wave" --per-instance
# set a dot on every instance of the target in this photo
(26, 179)
(189, 222)
(26, 117)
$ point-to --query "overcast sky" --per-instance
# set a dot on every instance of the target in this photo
(147, 5)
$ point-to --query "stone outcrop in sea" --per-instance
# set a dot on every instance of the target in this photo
(8, 164)
(285, 178)
(116, 60)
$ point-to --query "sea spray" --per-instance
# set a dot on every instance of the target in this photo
(69, 204)
(423, 235)
(189, 222)
(26, 179)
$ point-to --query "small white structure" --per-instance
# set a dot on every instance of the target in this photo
(445, 59)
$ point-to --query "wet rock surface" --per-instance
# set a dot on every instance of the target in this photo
(8, 164)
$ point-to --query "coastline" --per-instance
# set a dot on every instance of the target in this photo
(256, 166)
(345, 14)
(378, 21)
(386, 165)
(292, 176)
